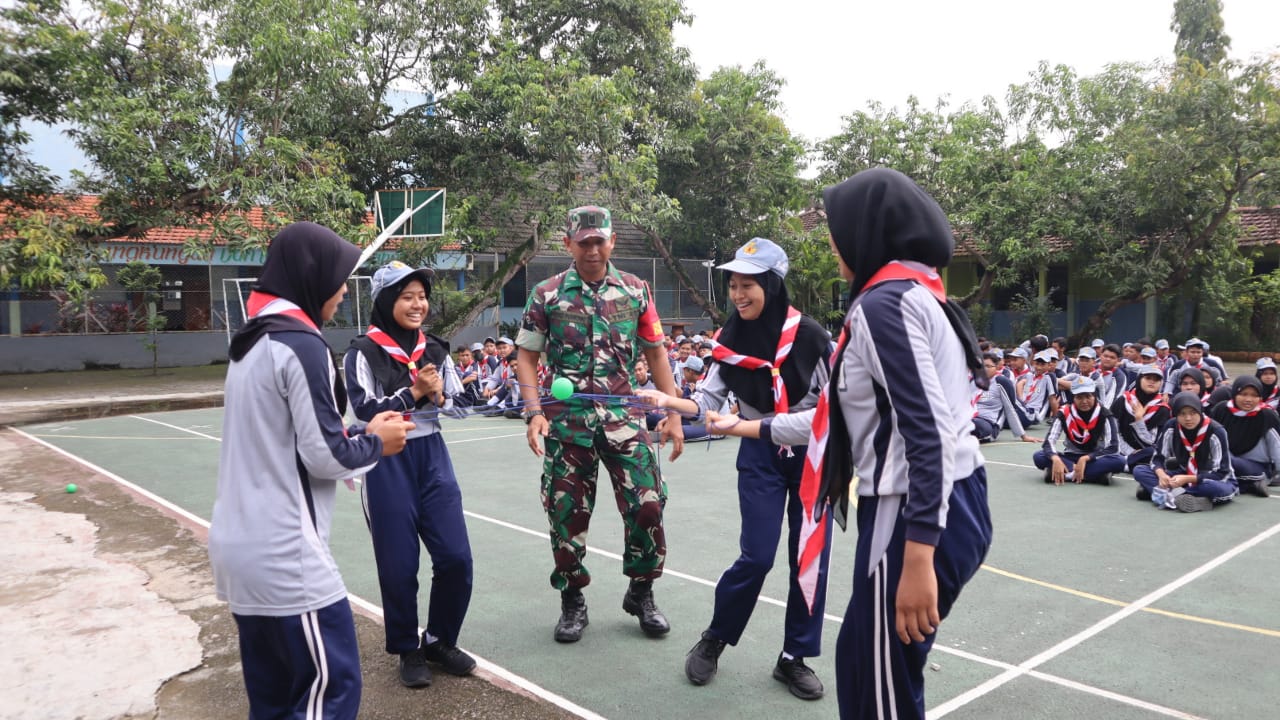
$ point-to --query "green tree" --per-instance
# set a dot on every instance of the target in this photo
(1200, 32)
(990, 183)
(143, 279)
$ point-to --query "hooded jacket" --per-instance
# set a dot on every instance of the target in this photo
(1213, 459)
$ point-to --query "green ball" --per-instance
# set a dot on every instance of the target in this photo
(562, 388)
(71, 487)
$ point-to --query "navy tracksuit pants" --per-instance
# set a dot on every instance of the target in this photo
(410, 497)
(1095, 470)
(877, 675)
(301, 667)
(768, 487)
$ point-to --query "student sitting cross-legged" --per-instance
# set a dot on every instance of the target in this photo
(1253, 435)
(1191, 470)
(1090, 440)
(1140, 413)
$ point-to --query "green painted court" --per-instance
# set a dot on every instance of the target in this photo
(1092, 604)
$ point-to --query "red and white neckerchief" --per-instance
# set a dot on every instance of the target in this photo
(1231, 405)
(976, 397)
(1193, 446)
(813, 526)
(814, 518)
(1157, 402)
(1031, 386)
(1273, 400)
(261, 304)
(1018, 375)
(785, 341)
(1078, 429)
(397, 353)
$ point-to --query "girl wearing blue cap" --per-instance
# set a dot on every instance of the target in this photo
(396, 366)
(773, 358)
(898, 408)
(1266, 374)
(1090, 440)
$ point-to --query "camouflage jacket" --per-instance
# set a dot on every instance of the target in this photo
(592, 336)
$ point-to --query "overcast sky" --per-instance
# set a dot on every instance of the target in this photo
(837, 55)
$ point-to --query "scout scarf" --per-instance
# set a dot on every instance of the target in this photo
(397, 353)
(786, 340)
(1080, 429)
(1192, 444)
(1151, 407)
(814, 519)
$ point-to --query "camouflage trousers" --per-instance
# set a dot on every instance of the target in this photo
(569, 497)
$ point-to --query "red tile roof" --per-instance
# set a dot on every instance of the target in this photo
(86, 206)
(1259, 226)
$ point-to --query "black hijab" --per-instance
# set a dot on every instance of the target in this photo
(875, 217)
(881, 215)
(759, 338)
(306, 264)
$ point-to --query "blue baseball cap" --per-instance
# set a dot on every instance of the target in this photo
(1083, 386)
(694, 363)
(1097, 343)
(395, 273)
(1162, 344)
(1266, 363)
(1087, 353)
(1151, 369)
(1019, 352)
(1147, 352)
(758, 256)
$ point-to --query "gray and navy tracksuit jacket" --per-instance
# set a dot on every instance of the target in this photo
(284, 451)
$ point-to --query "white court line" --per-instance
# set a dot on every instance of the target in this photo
(1030, 664)
(997, 462)
(211, 437)
(963, 654)
(1009, 669)
(497, 670)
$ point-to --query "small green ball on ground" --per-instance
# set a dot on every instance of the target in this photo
(71, 487)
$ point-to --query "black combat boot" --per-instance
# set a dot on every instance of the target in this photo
(639, 602)
(573, 616)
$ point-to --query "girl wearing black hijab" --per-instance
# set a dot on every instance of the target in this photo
(413, 499)
(1253, 435)
(1141, 412)
(898, 407)
(284, 449)
(773, 358)
(1191, 469)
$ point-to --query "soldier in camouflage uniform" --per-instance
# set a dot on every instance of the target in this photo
(593, 321)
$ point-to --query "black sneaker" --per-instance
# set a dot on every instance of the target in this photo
(703, 660)
(573, 617)
(449, 658)
(1259, 487)
(1048, 475)
(414, 672)
(799, 678)
(639, 602)
(1144, 494)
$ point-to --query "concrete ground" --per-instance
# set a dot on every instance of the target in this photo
(106, 601)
